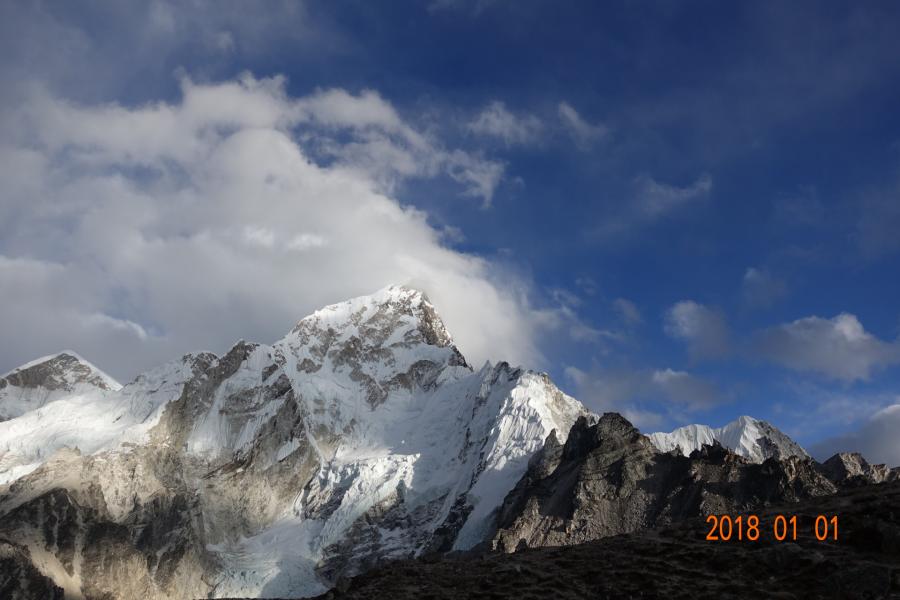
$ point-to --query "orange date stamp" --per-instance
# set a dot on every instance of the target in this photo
(724, 528)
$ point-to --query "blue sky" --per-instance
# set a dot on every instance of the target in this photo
(683, 211)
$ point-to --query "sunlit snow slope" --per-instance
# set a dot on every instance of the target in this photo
(751, 438)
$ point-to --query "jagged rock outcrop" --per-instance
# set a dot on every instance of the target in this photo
(851, 468)
(273, 470)
(608, 479)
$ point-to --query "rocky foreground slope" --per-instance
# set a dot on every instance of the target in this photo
(676, 562)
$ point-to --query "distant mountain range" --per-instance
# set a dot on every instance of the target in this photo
(362, 436)
(751, 438)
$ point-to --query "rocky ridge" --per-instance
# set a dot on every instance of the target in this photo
(608, 479)
(851, 468)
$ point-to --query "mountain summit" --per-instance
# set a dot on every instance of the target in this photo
(49, 378)
(361, 436)
(751, 438)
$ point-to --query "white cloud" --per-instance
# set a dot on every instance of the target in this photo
(480, 176)
(565, 298)
(380, 144)
(686, 390)
(582, 332)
(654, 199)
(703, 329)
(584, 133)
(137, 234)
(878, 439)
(644, 396)
(760, 289)
(223, 41)
(839, 348)
(497, 121)
(259, 236)
(819, 406)
(653, 202)
(306, 241)
(131, 47)
(627, 311)
(804, 208)
(587, 285)
(614, 391)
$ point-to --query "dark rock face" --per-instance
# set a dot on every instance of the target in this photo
(775, 444)
(20, 580)
(609, 479)
(148, 554)
(676, 562)
(850, 468)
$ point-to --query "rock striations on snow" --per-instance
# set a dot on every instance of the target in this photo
(50, 378)
(361, 436)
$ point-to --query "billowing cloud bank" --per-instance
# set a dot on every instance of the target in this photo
(878, 439)
(135, 234)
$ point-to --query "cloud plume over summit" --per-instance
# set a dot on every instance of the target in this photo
(137, 232)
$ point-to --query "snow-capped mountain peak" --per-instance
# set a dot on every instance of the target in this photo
(363, 435)
(34, 384)
(751, 438)
(391, 338)
(392, 310)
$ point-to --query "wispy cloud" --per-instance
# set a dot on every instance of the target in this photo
(512, 129)
(703, 329)
(801, 208)
(652, 202)
(654, 199)
(760, 289)
(686, 390)
(583, 132)
(627, 311)
(647, 397)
